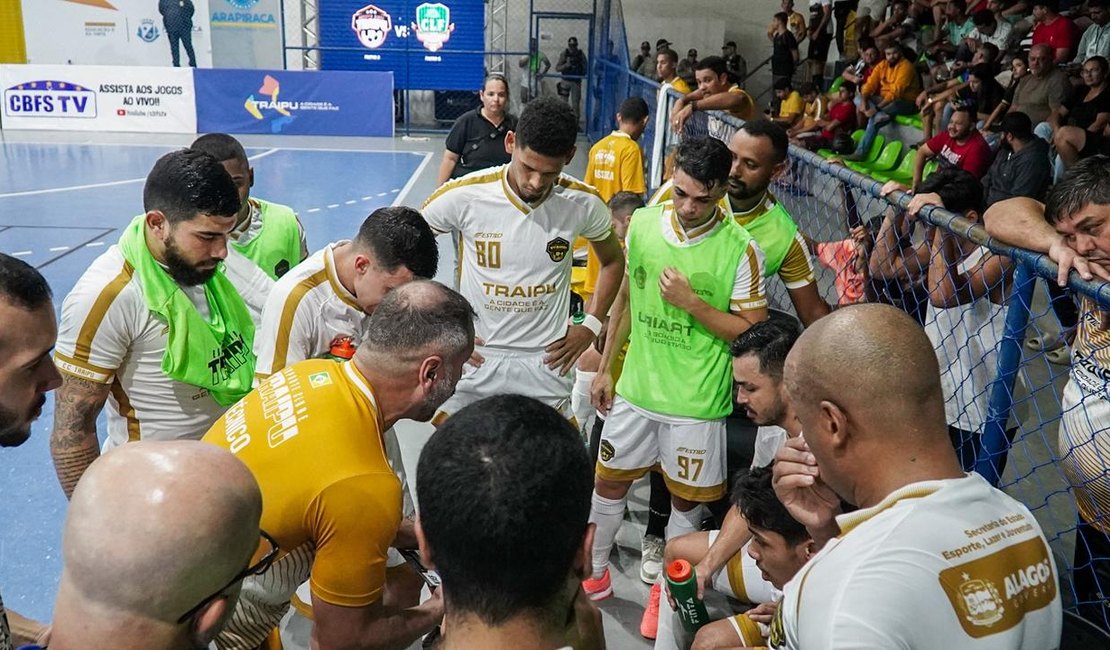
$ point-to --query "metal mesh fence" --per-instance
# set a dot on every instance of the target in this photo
(1004, 391)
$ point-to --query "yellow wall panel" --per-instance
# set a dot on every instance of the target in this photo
(12, 46)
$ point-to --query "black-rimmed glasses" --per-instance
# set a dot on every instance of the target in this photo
(258, 568)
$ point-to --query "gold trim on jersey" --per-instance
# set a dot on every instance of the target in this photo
(83, 349)
(572, 184)
(126, 410)
(82, 370)
(333, 279)
(852, 520)
(686, 236)
(613, 474)
(288, 313)
(735, 571)
(462, 182)
(748, 630)
(706, 494)
(765, 205)
(753, 269)
(512, 197)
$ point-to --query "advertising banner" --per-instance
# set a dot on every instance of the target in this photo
(426, 45)
(98, 98)
(295, 103)
(117, 32)
(246, 33)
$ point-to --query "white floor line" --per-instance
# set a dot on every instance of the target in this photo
(412, 180)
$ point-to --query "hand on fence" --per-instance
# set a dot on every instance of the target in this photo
(1067, 258)
(920, 201)
(891, 187)
(678, 120)
(799, 487)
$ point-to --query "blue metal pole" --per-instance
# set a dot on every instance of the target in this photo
(995, 442)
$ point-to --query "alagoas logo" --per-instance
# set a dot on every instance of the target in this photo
(557, 249)
(433, 25)
(372, 25)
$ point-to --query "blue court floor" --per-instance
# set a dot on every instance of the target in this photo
(63, 203)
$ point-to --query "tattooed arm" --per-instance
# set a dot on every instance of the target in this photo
(73, 443)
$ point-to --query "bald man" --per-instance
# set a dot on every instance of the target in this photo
(933, 558)
(158, 539)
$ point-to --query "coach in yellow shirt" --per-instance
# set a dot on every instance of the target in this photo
(312, 435)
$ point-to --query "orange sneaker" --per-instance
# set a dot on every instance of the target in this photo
(598, 588)
(649, 624)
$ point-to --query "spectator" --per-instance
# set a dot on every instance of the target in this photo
(1079, 122)
(958, 26)
(735, 64)
(795, 22)
(820, 38)
(27, 373)
(841, 119)
(938, 101)
(1021, 167)
(1096, 39)
(642, 60)
(816, 109)
(988, 29)
(715, 93)
(477, 139)
(858, 72)
(1041, 91)
(535, 65)
(134, 576)
(491, 463)
(784, 50)
(844, 11)
(791, 104)
(686, 68)
(1056, 31)
(896, 27)
(572, 65)
(961, 147)
(889, 91)
(879, 441)
(1069, 228)
(1019, 68)
(177, 18)
(666, 71)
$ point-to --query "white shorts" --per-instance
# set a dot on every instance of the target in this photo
(690, 452)
(742, 579)
(510, 372)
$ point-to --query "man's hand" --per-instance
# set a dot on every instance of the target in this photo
(676, 289)
(562, 354)
(476, 359)
(1067, 259)
(601, 391)
(870, 111)
(891, 187)
(704, 578)
(798, 485)
(678, 120)
(920, 201)
(763, 613)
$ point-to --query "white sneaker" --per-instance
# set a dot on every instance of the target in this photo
(651, 558)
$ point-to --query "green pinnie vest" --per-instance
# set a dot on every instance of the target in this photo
(774, 231)
(675, 366)
(277, 247)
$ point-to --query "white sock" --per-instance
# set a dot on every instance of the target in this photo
(580, 399)
(684, 523)
(670, 626)
(606, 515)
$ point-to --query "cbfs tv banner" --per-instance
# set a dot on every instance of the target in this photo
(116, 32)
(426, 45)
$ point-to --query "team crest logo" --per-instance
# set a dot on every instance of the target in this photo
(148, 31)
(319, 379)
(372, 25)
(433, 25)
(606, 451)
(982, 604)
(557, 249)
(639, 276)
(243, 4)
(281, 268)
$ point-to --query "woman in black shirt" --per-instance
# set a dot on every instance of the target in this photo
(477, 141)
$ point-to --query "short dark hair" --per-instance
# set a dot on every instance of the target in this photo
(959, 4)
(773, 131)
(670, 55)
(187, 183)
(866, 43)
(985, 71)
(983, 17)
(625, 201)
(547, 125)
(753, 495)
(1022, 56)
(1099, 60)
(633, 109)
(992, 53)
(967, 110)
(1087, 182)
(714, 63)
(808, 88)
(220, 146)
(849, 87)
(783, 84)
(1017, 124)
(506, 477)
(419, 316)
(782, 17)
(706, 160)
(21, 284)
(770, 341)
(959, 191)
(1101, 4)
(399, 236)
(1051, 5)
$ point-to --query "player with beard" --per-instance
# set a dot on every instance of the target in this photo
(27, 373)
(312, 435)
(161, 325)
(758, 356)
(759, 151)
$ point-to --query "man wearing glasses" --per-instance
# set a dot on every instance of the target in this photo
(157, 542)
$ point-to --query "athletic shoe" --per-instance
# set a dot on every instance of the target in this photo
(649, 624)
(598, 588)
(651, 558)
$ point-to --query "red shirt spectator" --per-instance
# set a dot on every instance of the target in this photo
(973, 154)
(1059, 34)
(845, 114)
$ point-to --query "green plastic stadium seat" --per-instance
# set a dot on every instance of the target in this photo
(835, 86)
(903, 173)
(908, 120)
(886, 161)
(857, 135)
(930, 167)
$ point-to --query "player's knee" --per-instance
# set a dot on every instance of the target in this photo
(682, 504)
(718, 634)
(611, 489)
(691, 548)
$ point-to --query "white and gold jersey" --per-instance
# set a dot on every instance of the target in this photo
(307, 311)
(107, 335)
(937, 565)
(516, 258)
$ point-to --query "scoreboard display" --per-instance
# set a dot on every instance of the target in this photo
(426, 45)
